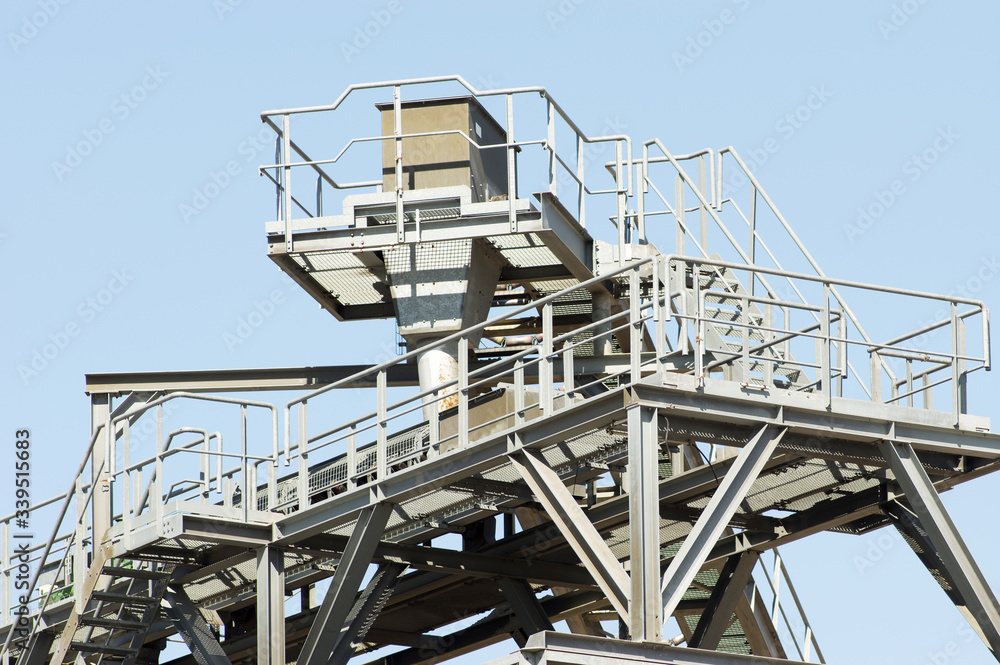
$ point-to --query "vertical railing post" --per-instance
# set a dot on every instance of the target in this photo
(753, 235)
(619, 184)
(702, 210)
(635, 329)
(841, 351)
(745, 335)
(768, 336)
(567, 373)
(519, 392)
(679, 213)
(640, 220)
(319, 196)
(659, 304)
(463, 392)
(352, 458)
(397, 132)
(381, 425)
(960, 381)
(79, 563)
(876, 376)
(699, 359)
(286, 179)
(550, 145)
(303, 479)
(511, 167)
(545, 381)
(579, 174)
(824, 359)
(249, 487)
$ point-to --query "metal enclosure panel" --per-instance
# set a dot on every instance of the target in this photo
(447, 159)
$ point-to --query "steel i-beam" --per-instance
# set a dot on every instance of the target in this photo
(645, 623)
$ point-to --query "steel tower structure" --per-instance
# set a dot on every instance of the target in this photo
(579, 430)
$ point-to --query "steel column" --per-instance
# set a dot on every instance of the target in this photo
(981, 608)
(726, 499)
(576, 527)
(645, 623)
(270, 606)
(339, 599)
(194, 629)
(100, 414)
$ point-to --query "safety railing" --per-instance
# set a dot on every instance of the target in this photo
(670, 293)
(561, 165)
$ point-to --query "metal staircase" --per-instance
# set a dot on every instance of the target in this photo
(120, 600)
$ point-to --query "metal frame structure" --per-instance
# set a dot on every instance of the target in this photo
(672, 418)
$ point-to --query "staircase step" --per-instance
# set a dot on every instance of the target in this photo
(97, 647)
(135, 573)
(109, 597)
(113, 624)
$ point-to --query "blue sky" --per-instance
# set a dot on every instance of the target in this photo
(120, 115)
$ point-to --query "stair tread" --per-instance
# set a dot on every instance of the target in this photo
(97, 647)
(135, 573)
(103, 622)
(123, 598)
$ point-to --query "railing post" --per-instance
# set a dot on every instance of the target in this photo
(303, 480)
(519, 392)
(640, 220)
(753, 234)
(352, 459)
(702, 210)
(679, 214)
(381, 425)
(579, 174)
(511, 167)
(545, 381)
(286, 179)
(550, 144)
(660, 325)
(768, 336)
(876, 376)
(249, 487)
(824, 359)
(463, 393)
(699, 359)
(319, 196)
(397, 132)
(745, 335)
(619, 184)
(635, 330)
(958, 391)
(79, 552)
(127, 505)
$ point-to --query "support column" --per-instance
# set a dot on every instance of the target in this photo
(645, 623)
(339, 599)
(100, 410)
(714, 519)
(270, 606)
(981, 608)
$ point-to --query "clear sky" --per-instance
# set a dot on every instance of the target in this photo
(119, 115)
